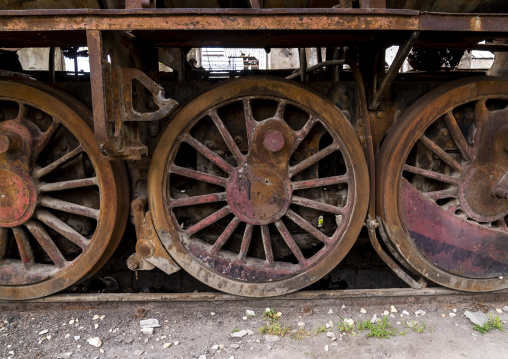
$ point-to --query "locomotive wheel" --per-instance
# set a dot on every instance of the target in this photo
(443, 187)
(62, 207)
(258, 187)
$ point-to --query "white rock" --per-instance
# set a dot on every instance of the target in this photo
(331, 335)
(505, 308)
(420, 312)
(235, 346)
(327, 325)
(149, 323)
(67, 336)
(443, 315)
(250, 313)
(245, 318)
(455, 310)
(250, 332)
(392, 309)
(405, 312)
(239, 334)
(478, 318)
(499, 310)
(138, 352)
(385, 313)
(77, 337)
(101, 351)
(64, 355)
(452, 315)
(95, 317)
(95, 342)
(71, 321)
(330, 311)
(326, 348)
(267, 310)
(78, 346)
(363, 311)
(343, 306)
(148, 331)
(301, 324)
(215, 347)
(222, 346)
(96, 326)
(42, 332)
(231, 357)
(166, 345)
(212, 313)
(392, 316)
(202, 357)
(176, 342)
(102, 317)
(271, 338)
(373, 319)
(349, 322)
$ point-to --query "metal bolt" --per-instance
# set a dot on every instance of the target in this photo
(133, 262)
(152, 105)
(379, 115)
(153, 131)
(9, 142)
(444, 132)
(144, 249)
(238, 140)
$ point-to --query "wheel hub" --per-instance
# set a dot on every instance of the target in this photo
(258, 195)
(18, 196)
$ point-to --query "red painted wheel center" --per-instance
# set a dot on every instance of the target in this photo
(258, 195)
(14, 193)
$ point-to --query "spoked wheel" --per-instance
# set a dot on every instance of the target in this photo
(443, 190)
(61, 205)
(258, 187)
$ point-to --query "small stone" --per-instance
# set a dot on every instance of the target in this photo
(499, 310)
(102, 317)
(166, 345)
(398, 323)
(202, 357)
(392, 309)
(326, 348)
(239, 334)
(455, 310)
(330, 311)
(420, 312)
(443, 315)
(235, 346)
(279, 314)
(77, 337)
(245, 318)
(95, 317)
(96, 326)
(148, 331)
(363, 311)
(67, 336)
(301, 324)
(78, 346)
(385, 313)
(343, 306)
(452, 315)
(271, 338)
(149, 323)
(349, 322)
(71, 321)
(212, 313)
(327, 325)
(478, 318)
(176, 342)
(331, 335)
(138, 352)
(405, 312)
(373, 319)
(250, 313)
(64, 355)
(231, 357)
(258, 340)
(101, 351)
(250, 332)
(392, 316)
(42, 332)
(222, 346)
(95, 342)
(215, 347)
(505, 308)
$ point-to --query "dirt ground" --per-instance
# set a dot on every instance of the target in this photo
(201, 327)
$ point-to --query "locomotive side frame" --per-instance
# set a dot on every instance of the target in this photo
(117, 57)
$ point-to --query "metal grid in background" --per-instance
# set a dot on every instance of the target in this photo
(227, 59)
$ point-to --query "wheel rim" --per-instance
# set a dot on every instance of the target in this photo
(442, 167)
(276, 185)
(59, 198)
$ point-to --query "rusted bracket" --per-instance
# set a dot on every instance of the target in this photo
(121, 70)
(380, 93)
(150, 252)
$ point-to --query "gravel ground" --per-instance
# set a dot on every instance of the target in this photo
(200, 329)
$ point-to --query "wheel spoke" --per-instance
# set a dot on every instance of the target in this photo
(445, 193)
(309, 203)
(430, 174)
(4, 238)
(69, 207)
(64, 185)
(250, 122)
(211, 219)
(46, 136)
(239, 157)
(290, 242)
(267, 244)
(481, 116)
(196, 200)
(22, 112)
(59, 162)
(247, 237)
(46, 243)
(303, 132)
(457, 136)
(312, 159)
(208, 153)
(225, 235)
(281, 107)
(442, 154)
(320, 182)
(25, 250)
(198, 175)
(304, 224)
(63, 228)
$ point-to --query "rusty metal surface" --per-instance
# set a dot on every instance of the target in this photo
(440, 166)
(55, 248)
(271, 201)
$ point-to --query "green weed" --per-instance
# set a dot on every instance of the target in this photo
(492, 323)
